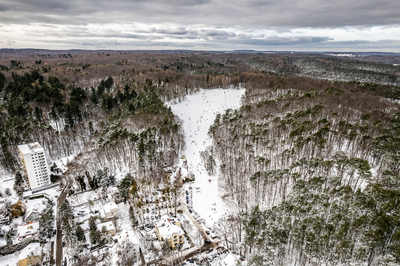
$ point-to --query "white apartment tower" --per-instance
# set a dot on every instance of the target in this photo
(34, 160)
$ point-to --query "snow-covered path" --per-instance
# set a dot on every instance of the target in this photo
(198, 112)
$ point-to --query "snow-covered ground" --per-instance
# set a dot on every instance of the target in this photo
(198, 112)
(9, 260)
(6, 181)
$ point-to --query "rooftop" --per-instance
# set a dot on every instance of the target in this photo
(110, 206)
(28, 229)
(33, 249)
(109, 226)
(229, 260)
(30, 148)
(167, 227)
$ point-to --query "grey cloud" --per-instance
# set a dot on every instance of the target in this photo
(43, 5)
(311, 43)
(3, 7)
(213, 33)
(276, 14)
(214, 24)
(181, 31)
(281, 41)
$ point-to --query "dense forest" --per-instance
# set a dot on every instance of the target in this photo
(331, 68)
(122, 128)
(309, 164)
(312, 168)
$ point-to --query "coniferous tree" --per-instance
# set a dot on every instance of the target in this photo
(80, 234)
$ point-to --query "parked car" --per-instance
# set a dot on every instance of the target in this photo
(207, 241)
(210, 250)
(208, 232)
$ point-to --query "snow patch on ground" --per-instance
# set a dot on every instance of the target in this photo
(9, 260)
(198, 112)
(6, 181)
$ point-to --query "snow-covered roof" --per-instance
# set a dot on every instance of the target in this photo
(30, 148)
(229, 260)
(109, 206)
(24, 149)
(67, 160)
(33, 249)
(109, 226)
(30, 212)
(28, 229)
(34, 206)
(27, 194)
(167, 228)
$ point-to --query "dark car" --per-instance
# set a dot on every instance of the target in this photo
(207, 241)
(190, 211)
(208, 232)
(190, 260)
(210, 250)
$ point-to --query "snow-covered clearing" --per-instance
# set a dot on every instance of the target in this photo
(6, 181)
(198, 113)
(9, 260)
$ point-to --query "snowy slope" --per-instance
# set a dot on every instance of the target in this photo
(198, 112)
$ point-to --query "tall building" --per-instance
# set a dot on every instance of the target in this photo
(34, 160)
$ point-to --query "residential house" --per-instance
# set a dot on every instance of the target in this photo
(230, 260)
(30, 255)
(169, 229)
(109, 228)
(31, 215)
(28, 230)
(110, 210)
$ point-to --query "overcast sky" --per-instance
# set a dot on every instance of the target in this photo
(290, 25)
